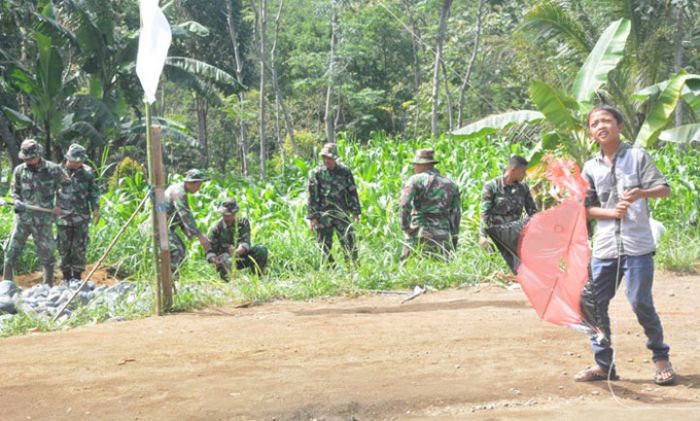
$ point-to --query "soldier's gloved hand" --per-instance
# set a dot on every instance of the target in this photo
(19, 206)
(96, 216)
(455, 241)
(313, 223)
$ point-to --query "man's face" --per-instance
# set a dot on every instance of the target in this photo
(193, 186)
(516, 174)
(73, 165)
(603, 128)
(34, 162)
(419, 168)
(229, 218)
(328, 162)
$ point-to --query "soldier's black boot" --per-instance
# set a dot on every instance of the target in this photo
(48, 275)
(67, 275)
(77, 275)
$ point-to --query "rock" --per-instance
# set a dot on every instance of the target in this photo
(8, 288)
(7, 305)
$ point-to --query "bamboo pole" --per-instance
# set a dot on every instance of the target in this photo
(161, 249)
(101, 259)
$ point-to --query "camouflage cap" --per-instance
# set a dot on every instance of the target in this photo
(76, 153)
(229, 207)
(30, 149)
(195, 175)
(424, 156)
(330, 150)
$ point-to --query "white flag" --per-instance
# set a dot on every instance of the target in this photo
(154, 42)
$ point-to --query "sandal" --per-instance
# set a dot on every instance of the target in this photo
(659, 376)
(594, 374)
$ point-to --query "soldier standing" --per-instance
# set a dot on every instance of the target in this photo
(34, 182)
(231, 236)
(333, 201)
(431, 209)
(503, 200)
(180, 216)
(79, 194)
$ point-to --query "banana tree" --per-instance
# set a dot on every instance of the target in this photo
(561, 115)
(48, 82)
(665, 97)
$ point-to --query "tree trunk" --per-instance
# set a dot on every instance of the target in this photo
(288, 126)
(10, 140)
(233, 34)
(330, 126)
(444, 14)
(202, 110)
(678, 56)
(415, 48)
(470, 66)
(261, 38)
(447, 94)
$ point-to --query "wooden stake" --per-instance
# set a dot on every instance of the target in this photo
(161, 249)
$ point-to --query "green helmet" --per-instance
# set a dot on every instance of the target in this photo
(195, 175)
(30, 149)
(76, 153)
(229, 207)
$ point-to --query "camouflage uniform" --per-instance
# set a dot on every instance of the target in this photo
(500, 204)
(180, 216)
(80, 195)
(430, 208)
(332, 199)
(38, 187)
(225, 239)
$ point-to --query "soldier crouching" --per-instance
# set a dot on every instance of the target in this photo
(230, 238)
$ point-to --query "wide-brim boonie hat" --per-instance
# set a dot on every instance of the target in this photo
(76, 153)
(30, 149)
(229, 207)
(195, 175)
(330, 150)
(424, 156)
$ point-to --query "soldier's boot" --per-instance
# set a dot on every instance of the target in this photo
(7, 272)
(67, 275)
(48, 275)
(77, 275)
(223, 273)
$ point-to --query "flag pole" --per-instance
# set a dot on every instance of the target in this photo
(161, 249)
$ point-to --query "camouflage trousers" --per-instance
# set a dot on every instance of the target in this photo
(440, 248)
(41, 230)
(346, 236)
(72, 247)
(255, 259)
(177, 250)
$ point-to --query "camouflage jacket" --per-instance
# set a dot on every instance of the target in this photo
(332, 194)
(78, 194)
(223, 237)
(501, 203)
(179, 213)
(431, 202)
(37, 187)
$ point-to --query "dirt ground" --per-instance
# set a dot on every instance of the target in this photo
(106, 275)
(478, 353)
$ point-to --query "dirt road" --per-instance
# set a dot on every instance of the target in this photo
(478, 353)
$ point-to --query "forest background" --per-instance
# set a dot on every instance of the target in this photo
(252, 89)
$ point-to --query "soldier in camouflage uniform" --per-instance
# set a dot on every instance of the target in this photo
(333, 201)
(180, 216)
(34, 182)
(81, 196)
(503, 200)
(431, 209)
(231, 236)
